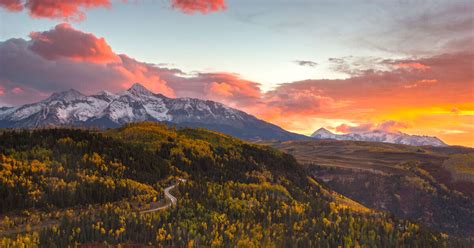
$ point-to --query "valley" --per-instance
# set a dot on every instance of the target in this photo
(410, 182)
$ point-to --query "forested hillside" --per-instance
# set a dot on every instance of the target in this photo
(62, 187)
(433, 185)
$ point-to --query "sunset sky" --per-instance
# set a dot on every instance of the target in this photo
(405, 65)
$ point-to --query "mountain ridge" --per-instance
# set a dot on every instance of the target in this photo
(381, 136)
(107, 110)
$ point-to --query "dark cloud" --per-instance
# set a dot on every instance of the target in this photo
(306, 63)
(426, 28)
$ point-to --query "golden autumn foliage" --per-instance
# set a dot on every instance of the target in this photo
(236, 194)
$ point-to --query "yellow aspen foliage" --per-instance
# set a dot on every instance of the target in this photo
(217, 241)
(326, 222)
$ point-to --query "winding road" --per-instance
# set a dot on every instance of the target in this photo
(51, 223)
(168, 195)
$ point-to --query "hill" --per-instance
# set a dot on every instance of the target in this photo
(62, 187)
(432, 185)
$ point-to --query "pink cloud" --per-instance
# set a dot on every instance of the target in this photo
(54, 9)
(74, 10)
(17, 90)
(56, 66)
(345, 128)
(203, 6)
(64, 9)
(66, 42)
(304, 101)
(64, 58)
(417, 66)
(224, 87)
(391, 126)
(11, 5)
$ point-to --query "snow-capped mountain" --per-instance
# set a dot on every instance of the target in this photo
(106, 109)
(381, 136)
(323, 133)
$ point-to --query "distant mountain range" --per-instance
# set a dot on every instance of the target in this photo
(106, 110)
(381, 136)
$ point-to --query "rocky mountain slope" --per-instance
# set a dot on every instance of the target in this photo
(106, 110)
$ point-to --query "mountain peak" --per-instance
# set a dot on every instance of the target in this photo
(322, 131)
(67, 95)
(105, 93)
(138, 89)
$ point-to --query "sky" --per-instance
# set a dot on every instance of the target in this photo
(405, 65)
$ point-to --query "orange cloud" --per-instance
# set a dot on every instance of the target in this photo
(420, 83)
(223, 87)
(452, 122)
(417, 66)
(387, 126)
(372, 96)
(345, 128)
(133, 71)
(203, 6)
(66, 42)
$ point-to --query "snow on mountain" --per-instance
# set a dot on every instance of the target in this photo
(323, 133)
(105, 109)
(381, 136)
